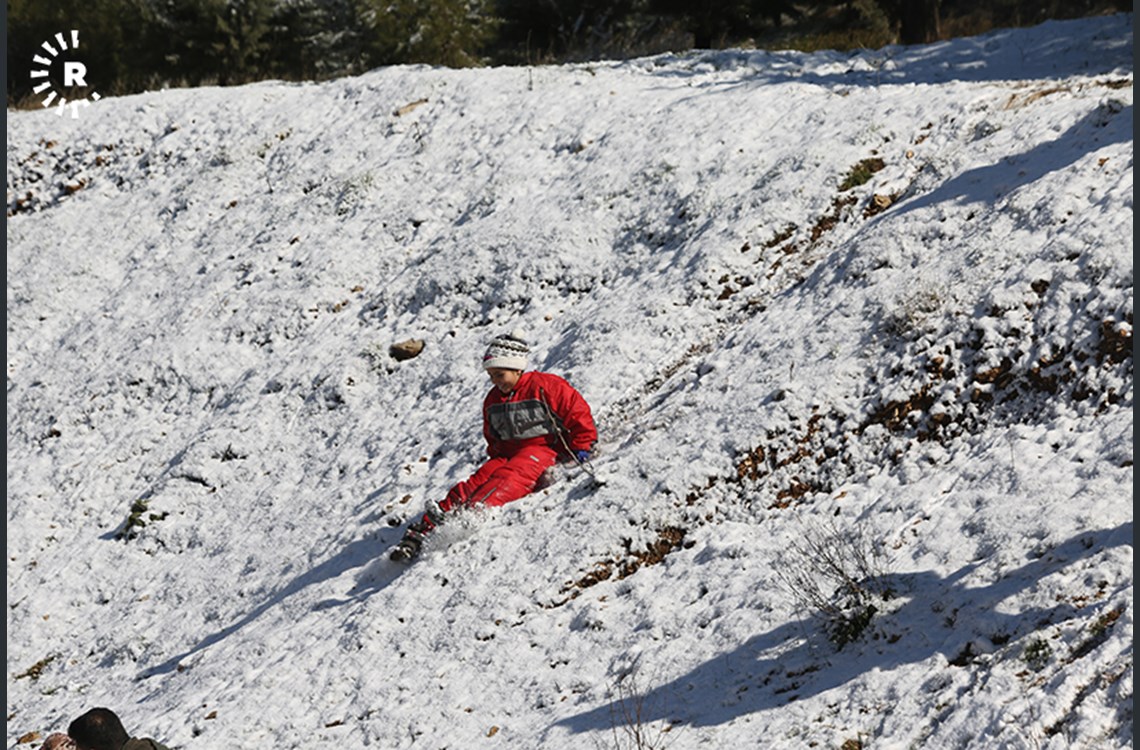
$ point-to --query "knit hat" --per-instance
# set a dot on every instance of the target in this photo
(507, 352)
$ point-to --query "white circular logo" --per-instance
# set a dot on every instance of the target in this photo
(74, 74)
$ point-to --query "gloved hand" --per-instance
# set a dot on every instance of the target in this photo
(582, 456)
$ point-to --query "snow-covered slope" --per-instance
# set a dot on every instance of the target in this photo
(821, 304)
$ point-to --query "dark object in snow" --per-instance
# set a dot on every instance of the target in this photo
(101, 729)
(405, 350)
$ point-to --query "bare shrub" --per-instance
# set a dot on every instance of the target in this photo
(630, 714)
(838, 575)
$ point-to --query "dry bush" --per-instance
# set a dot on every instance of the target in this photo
(838, 575)
(630, 724)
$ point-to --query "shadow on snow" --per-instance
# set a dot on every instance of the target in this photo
(377, 574)
(775, 668)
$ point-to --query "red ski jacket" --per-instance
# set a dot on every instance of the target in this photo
(543, 409)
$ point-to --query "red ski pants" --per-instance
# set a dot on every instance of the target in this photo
(501, 480)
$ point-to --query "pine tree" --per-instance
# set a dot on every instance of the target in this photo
(451, 33)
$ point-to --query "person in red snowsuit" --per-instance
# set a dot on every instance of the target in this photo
(531, 421)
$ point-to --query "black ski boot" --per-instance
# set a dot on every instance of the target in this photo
(409, 547)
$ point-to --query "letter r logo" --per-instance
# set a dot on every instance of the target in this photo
(74, 74)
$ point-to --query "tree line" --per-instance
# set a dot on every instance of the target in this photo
(135, 45)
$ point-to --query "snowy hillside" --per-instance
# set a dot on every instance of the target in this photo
(865, 308)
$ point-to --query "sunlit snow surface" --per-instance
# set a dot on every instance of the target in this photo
(879, 297)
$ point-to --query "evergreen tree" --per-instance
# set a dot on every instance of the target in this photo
(213, 41)
(316, 39)
(453, 33)
(535, 32)
(719, 23)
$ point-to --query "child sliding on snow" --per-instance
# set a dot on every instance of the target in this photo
(531, 420)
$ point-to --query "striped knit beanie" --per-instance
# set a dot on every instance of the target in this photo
(507, 352)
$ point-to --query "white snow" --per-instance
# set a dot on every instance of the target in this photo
(203, 286)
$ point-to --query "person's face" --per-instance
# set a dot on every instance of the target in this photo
(504, 380)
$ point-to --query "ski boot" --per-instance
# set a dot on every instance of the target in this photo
(410, 546)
